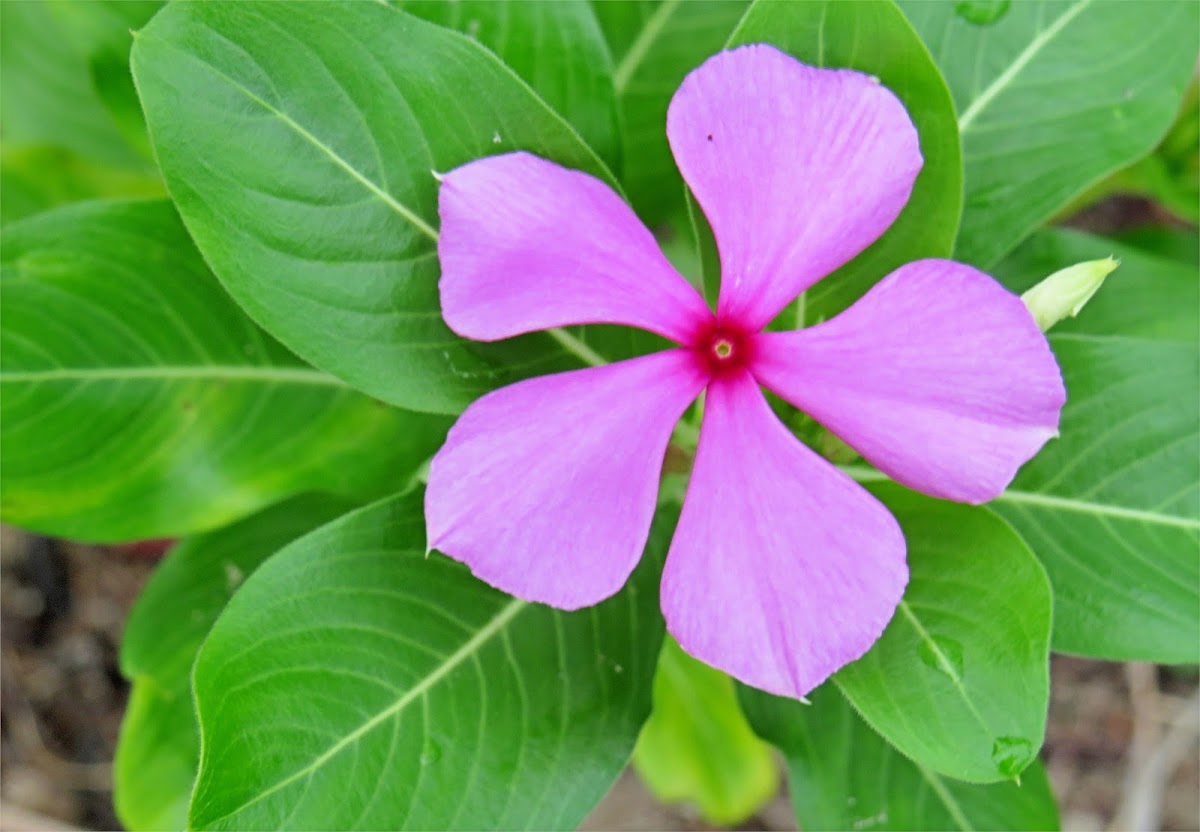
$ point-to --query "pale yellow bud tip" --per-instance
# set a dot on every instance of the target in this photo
(1065, 292)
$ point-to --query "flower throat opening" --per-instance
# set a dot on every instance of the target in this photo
(723, 351)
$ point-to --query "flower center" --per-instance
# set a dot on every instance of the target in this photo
(723, 350)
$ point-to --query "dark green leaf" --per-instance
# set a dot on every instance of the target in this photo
(355, 682)
(655, 43)
(1148, 296)
(959, 681)
(138, 401)
(1179, 244)
(1052, 96)
(696, 746)
(159, 749)
(1112, 508)
(556, 47)
(845, 776)
(873, 37)
(321, 217)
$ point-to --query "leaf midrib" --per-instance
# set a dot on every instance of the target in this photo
(861, 473)
(496, 625)
(940, 789)
(641, 45)
(415, 219)
(208, 372)
(1004, 79)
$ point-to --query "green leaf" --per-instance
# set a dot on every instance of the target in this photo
(1148, 297)
(35, 178)
(1179, 244)
(103, 34)
(845, 776)
(1112, 508)
(655, 43)
(959, 681)
(355, 682)
(320, 219)
(697, 747)
(138, 401)
(48, 94)
(874, 37)
(159, 749)
(556, 48)
(1052, 97)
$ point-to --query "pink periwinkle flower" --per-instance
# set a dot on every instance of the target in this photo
(782, 569)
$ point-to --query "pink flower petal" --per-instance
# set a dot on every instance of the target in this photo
(783, 569)
(798, 169)
(526, 245)
(938, 375)
(546, 488)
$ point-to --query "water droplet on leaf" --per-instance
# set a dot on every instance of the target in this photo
(1011, 755)
(431, 754)
(982, 12)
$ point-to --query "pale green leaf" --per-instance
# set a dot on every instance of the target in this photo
(697, 748)
(1148, 297)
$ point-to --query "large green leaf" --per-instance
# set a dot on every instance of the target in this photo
(321, 217)
(1148, 296)
(845, 776)
(1112, 508)
(159, 749)
(138, 401)
(655, 43)
(960, 679)
(49, 92)
(872, 36)
(696, 746)
(1052, 96)
(356, 682)
(557, 48)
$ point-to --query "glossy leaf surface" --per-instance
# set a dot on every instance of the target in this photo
(556, 48)
(1053, 95)
(843, 775)
(321, 218)
(140, 402)
(159, 749)
(1112, 508)
(355, 682)
(959, 681)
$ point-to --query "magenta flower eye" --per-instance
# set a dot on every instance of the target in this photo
(782, 569)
